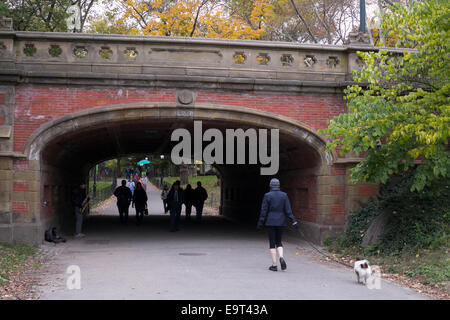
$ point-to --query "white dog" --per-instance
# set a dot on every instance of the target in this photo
(362, 270)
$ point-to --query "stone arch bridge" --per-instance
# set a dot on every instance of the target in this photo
(69, 101)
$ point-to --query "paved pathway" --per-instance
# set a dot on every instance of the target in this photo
(214, 260)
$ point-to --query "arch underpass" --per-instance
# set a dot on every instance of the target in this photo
(68, 148)
(60, 115)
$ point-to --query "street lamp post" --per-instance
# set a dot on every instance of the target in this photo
(362, 16)
(94, 186)
(161, 179)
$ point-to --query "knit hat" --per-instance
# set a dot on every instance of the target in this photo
(274, 183)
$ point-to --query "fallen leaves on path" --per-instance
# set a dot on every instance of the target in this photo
(22, 280)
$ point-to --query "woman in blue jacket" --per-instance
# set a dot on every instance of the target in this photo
(275, 207)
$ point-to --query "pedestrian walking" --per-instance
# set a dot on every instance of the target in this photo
(275, 207)
(124, 198)
(188, 200)
(139, 181)
(200, 196)
(175, 201)
(164, 194)
(131, 186)
(140, 203)
(79, 201)
(144, 182)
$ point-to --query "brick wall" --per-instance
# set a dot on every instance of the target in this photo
(35, 106)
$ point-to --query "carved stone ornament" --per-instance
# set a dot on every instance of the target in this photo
(185, 97)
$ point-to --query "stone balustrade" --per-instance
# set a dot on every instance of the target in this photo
(45, 56)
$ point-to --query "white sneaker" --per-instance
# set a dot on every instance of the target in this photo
(80, 235)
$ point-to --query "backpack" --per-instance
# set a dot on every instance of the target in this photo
(56, 238)
(48, 235)
(51, 236)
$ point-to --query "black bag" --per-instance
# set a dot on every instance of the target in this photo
(51, 236)
(56, 238)
(48, 235)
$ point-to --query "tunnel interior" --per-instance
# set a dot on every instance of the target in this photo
(67, 159)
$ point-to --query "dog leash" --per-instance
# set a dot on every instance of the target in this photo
(321, 252)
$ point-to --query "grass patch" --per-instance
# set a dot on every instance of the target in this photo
(103, 192)
(12, 257)
(100, 186)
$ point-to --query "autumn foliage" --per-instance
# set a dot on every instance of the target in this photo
(199, 18)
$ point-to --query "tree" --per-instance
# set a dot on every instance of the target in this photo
(108, 23)
(198, 18)
(399, 114)
(36, 15)
(318, 21)
(43, 15)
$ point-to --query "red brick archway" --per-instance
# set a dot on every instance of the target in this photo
(48, 118)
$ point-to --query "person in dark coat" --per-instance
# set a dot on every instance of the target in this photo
(124, 197)
(200, 196)
(175, 201)
(164, 194)
(275, 207)
(79, 195)
(140, 202)
(188, 200)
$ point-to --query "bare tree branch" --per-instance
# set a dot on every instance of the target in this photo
(321, 21)
(304, 22)
(196, 17)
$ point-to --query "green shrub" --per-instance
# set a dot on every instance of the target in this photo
(416, 219)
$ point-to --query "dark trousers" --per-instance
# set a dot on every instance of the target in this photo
(165, 205)
(188, 210)
(275, 233)
(175, 218)
(199, 211)
(78, 220)
(123, 212)
(139, 213)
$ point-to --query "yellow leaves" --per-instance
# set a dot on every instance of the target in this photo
(262, 9)
(178, 18)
